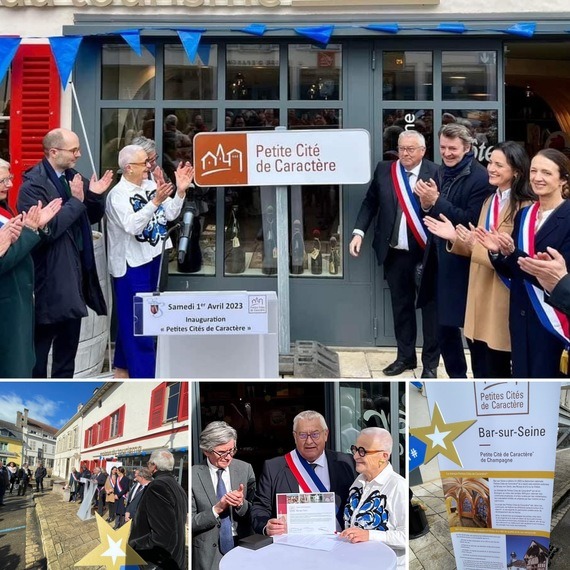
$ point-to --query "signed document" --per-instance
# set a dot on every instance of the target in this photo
(307, 513)
(313, 542)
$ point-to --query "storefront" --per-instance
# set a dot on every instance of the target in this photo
(420, 70)
(262, 413)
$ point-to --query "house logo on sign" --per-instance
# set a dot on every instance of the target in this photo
(220, 158)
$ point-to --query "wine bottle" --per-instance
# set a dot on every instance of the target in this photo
(334, 258)
(297, 249)
(269, 259)
(316, 255)
(235, 254)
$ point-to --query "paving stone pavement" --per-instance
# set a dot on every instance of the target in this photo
(66, 539)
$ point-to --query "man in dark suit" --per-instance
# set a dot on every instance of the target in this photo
(143, 477)
(158, 531)
(220, 515)
(399, 245)
(335, 471)
(458, 192)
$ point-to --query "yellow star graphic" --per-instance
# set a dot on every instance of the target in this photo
(114, 550)
(439, 436)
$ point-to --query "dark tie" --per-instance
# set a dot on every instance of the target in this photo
(313, 465)
(65, 184)
(396, 230)
(226, 537)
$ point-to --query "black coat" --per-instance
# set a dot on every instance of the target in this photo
(444, 272)
(381, 199)
(560, 295)
(158, 532)
(63, 287)
(276, 477)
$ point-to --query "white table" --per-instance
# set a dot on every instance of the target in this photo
(373, 555)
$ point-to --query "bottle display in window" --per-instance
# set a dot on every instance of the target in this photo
(269, 263)
(298, 255)
(316, 255)
(334, 257)
(235, 253)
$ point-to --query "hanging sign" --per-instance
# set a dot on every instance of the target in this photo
(496, 444)
(281, 158)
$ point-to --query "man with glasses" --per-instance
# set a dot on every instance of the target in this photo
(222, 492)
(329, 471)
(66, 280)
(399, 242)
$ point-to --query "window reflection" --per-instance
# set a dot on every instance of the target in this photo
(125, 75)
(469, 75)
(395, 121)
(190, 80)
(251, 119)
(5, 117)
(252, 72)
(407, 75)
(314, 118)
(315, 73)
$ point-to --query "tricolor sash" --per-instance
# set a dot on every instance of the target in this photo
(5, 215)
(551, 319)
(409, 203)
(492, 221)
(306, 477)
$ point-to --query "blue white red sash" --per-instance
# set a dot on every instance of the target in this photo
(306, 477)
(492, 221)
(551, 319)
(5, 215)
(409, 203)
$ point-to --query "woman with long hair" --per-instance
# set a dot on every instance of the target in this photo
(539, 333)
(486, 315)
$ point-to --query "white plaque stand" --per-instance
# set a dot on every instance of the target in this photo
(84, 512)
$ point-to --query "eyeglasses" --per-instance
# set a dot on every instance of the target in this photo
(314, 435)
(409, 149)
(5, 181)
(224, 454)
(363, 452)
(74, 150)
(147, 161)
(152, 158)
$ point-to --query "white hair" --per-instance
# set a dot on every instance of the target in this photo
(127, 154)
(4, 164)
(309, 415)
(411, 133)
(380, 437)
(216, 433)
(163, 459)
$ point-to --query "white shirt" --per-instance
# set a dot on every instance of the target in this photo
(403, 230)
(133, 224)
(395, 488)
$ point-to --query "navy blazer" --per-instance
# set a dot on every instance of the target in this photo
(535, 352)
(276, 477)
(381, 199)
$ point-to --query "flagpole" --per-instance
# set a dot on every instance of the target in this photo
(73, 92)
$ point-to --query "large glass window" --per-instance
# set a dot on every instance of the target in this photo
(407, 75)
(396, 121)
(5, 117)
(315, 73)
(185, 80)
(469, 75)
(125, 75)
(252, 71)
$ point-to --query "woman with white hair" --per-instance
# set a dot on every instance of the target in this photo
(137, 216)
(19, 234)
(377, 504)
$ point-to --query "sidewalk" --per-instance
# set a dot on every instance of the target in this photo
(434, 550)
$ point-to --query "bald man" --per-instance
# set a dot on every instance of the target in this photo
(66, 280)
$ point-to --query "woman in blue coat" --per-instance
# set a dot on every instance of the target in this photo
(539, 334)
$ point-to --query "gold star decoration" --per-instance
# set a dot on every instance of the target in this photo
(114, 550)
(439, 436)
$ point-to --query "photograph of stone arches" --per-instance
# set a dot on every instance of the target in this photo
(467, 502)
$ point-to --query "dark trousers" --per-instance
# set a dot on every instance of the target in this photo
(65, 339)
(137, 354)
(451, 344)
(487, 362)
(101, 501)
(22, 488)
(39, 484)
(400, 273)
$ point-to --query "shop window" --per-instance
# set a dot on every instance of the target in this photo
(469, 75)
(118, 128)
(252, 72)
(117, 422)
(483, 125)
(173, 401)
(251, 119)
(407, 75)
(179, 128)
(5, 117)
(184, 80)
(315, 73)
(126, 76)
(396, 121)
(314, 118)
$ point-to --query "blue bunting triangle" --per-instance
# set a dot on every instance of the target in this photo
(387, 28)
(151, 49)
(133, 38)
(452, 27)
(523, 29)
(204, 53)
(319, 34)
(8, 49)
(254, 29)
(64, 52)
(190, 42)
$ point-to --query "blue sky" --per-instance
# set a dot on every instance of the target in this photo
(49, 401)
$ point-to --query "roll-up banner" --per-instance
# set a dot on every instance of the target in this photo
(496, 447)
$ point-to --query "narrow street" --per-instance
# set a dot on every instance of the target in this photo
(13, 530)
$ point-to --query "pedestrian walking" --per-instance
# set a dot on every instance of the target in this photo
(23, 479)
(39, 475)
(12, 472)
